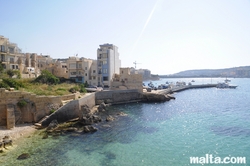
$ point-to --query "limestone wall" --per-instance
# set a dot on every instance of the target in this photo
(118, 96)
(34, 109)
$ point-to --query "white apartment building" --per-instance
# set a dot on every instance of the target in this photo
(108, 63)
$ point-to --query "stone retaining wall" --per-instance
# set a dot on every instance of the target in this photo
(118, 96)
(35, 109)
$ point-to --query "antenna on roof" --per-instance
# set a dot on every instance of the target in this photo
(135, 63)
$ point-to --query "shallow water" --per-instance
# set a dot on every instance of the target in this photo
(200, 121)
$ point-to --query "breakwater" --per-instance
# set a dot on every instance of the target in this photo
(185, 87)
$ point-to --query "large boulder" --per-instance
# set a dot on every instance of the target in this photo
(109, 118)
(90, 119)
(85, 110)
(53, 124)
(23, 156)
(102, 107)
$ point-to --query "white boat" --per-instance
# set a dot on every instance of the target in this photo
(224, 85)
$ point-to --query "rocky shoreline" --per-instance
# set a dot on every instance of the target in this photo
(84, 124)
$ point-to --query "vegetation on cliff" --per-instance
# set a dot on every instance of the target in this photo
(46, 84)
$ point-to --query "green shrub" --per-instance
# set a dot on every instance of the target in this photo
(82, 88)
(52, 111)
(22, 103)
(47, 77)
(74, 89)
(13, 83)
(4, 85)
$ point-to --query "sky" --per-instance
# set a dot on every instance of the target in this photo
(164, 36)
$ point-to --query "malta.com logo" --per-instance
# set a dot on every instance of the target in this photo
(210, 159)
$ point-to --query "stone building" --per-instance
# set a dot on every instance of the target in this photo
(146, 74)
(126, 80)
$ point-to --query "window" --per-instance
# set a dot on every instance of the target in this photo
(105, 78)
(86, 68)
(86, 74)
(104, 56)
(73, 73)
(104, 62)
(13, 66)
(93, 71)
(2, 48)
(11, 50)
(11, 60)
(72, 65)
(94, 78)
(105, 71)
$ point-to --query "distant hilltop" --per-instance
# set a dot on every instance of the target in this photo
(240, 72)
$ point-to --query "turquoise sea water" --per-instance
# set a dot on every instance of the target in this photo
(199, 122)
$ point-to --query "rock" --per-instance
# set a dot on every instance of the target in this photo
(71, 129)
(53, 124)
(96, 119)
(102, 107)
(45, 136)
(155, 97)
(23, 156)
(170, 96)
(110, 118)
(89, 128)
(6, 141)
(107, 126)
(121, 114)
(90, 119)
(84, 111)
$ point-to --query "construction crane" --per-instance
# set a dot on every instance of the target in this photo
(135, 63)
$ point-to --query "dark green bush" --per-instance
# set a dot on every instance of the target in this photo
(4, 85)
(13, 83)
(74, 89)
(82, 88)
(47, 77)
(22, 103)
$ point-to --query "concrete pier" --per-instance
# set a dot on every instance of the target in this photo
(184, 87)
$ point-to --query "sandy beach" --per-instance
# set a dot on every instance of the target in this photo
(18, 131)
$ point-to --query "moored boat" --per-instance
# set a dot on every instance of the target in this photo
(224, 85)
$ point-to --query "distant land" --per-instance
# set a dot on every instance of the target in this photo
(236, 72)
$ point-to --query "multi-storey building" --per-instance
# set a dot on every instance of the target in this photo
(12, 58)
(82, 70)
(10, 54)
(108, 63)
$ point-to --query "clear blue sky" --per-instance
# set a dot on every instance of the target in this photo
(164, 36)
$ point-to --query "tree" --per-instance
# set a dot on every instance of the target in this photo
(10, 73)
(47, 77)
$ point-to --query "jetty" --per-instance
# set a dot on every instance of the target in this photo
(184, 87)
